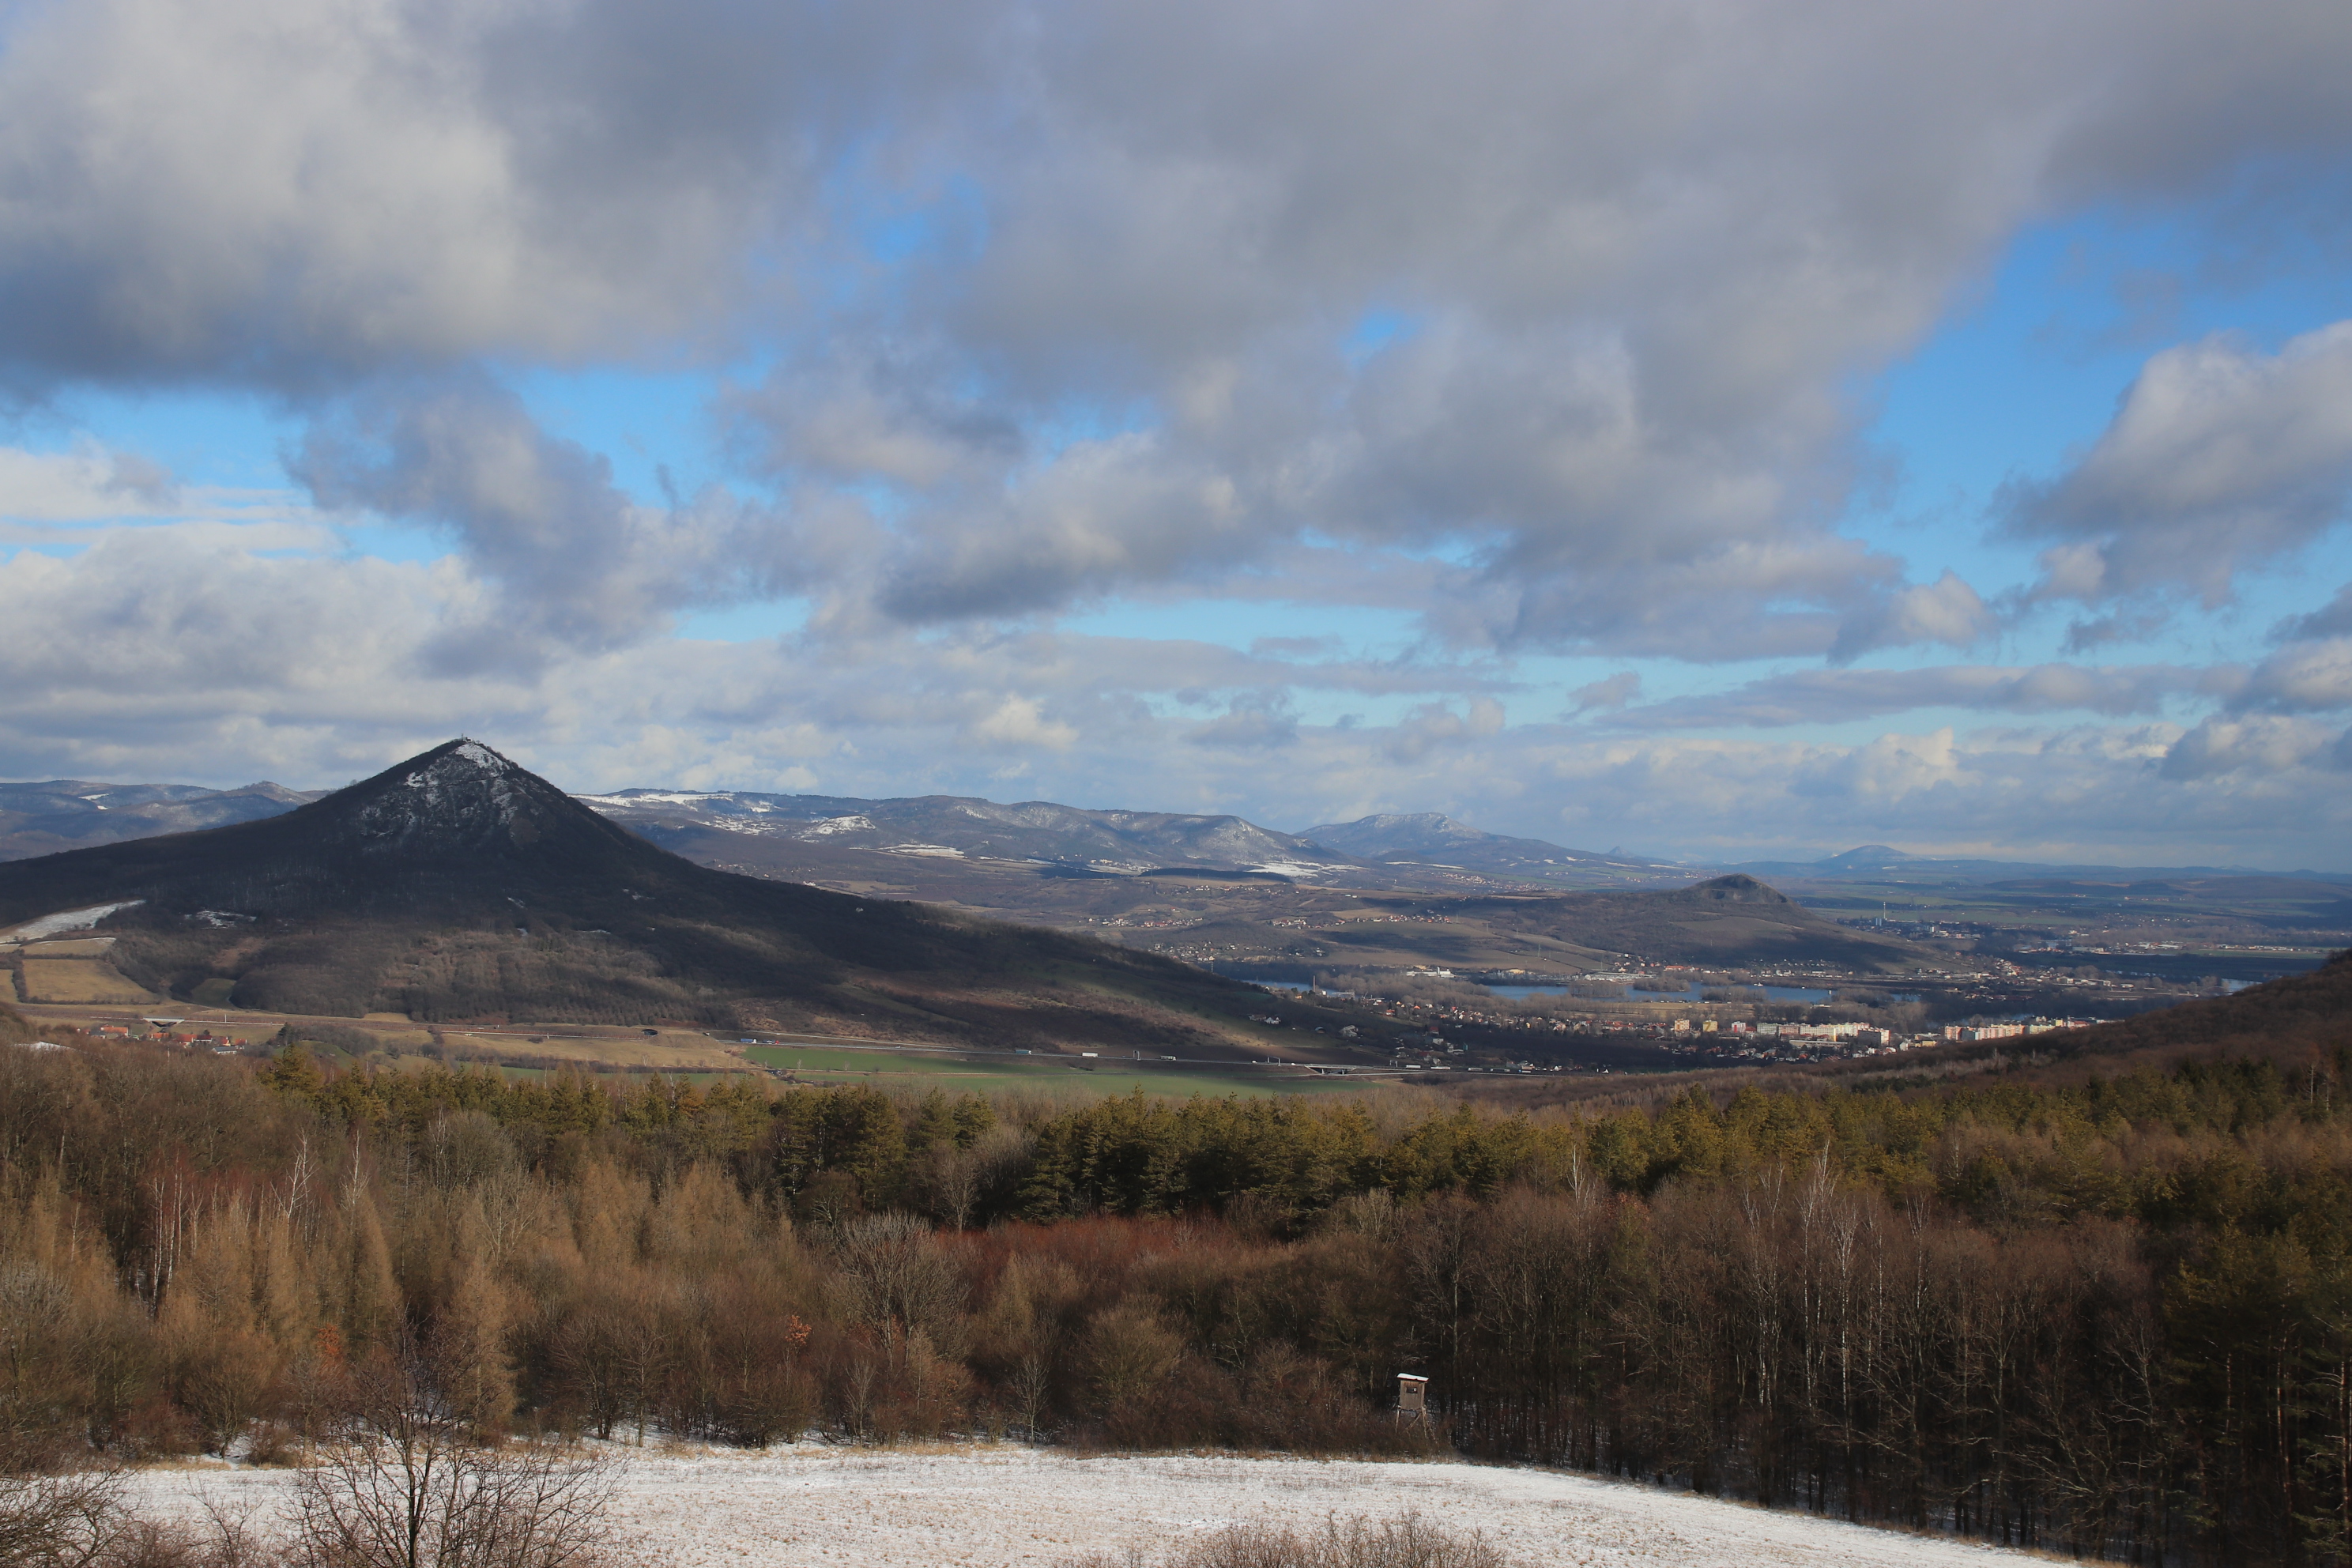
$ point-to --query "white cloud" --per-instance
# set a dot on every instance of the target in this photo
(86, 483)
(1019, 723)
(2221, 458)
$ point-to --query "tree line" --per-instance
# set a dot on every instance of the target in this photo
(2113, 1317)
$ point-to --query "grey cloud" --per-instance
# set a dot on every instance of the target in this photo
(1946, 611)
(2260, 744)
(2306, 677)
(891, 418)
(1105, 514)
(579, 560)
(1843, 696)
(295, 191)
(2221, 458)
(1628, 313)
(2333, 620)
(1638, 273)
(1605, 695)
(1260, 722)
(1435, 725)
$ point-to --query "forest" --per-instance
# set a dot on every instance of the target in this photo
(2109, 1316)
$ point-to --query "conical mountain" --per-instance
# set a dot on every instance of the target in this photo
(459, 886)
(453, 830)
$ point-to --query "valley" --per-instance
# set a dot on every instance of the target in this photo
(457, 908)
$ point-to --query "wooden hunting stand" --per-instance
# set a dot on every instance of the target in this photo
(1412, 1399)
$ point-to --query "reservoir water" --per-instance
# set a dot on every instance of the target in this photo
(1689, 992)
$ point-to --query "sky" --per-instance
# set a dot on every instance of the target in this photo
(1709, 430)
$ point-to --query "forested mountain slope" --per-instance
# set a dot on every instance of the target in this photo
(2297, 1020)
(2104, 1319)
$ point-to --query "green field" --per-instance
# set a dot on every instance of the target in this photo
(819, 1064)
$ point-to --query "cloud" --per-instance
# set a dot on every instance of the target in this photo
(2263, 744)
(1089, 298)
(318, 670)
(579, 562)
(1843, 696)
(1605, 695)
(2221, 458)
(1261, 722)
(2333, 620)
(1047, 310)
(2313, 677)
(86, 483)
(291, 191)
(1019, 723)
(1946, 611)
(1435, 726)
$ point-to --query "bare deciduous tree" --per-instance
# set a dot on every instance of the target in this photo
(407, 1485)
(59, 1521)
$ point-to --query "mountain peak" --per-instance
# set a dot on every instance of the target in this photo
(1736, 888)
(461, 798)
(1867, 854)
(1433, 822)
(457, 828)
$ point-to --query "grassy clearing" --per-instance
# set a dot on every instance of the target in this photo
(85, 947)
(77, 980)
(671, 1049)
(817, 1064)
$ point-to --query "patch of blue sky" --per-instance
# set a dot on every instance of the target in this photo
(1375, 329)
(232, 440)
(645, 424)
(896, 228)
(1339, 631)
(1090, 423)
(751, 623)
(407, 544)
(55, 549)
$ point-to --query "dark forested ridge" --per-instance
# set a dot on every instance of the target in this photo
(2112, 1317)
(2286, 1020)
(457, 886)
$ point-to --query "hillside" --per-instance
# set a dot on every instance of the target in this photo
(2291, 1021)
(459, 886)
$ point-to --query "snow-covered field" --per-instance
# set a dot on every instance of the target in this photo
(1002, 1504)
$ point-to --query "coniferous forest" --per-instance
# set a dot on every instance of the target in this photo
(2110, 1316)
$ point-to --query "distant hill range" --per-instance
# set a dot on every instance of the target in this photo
(1877, 863)
(459, 885)
(1036, 831)
(75, 814)
(1426, 837)
(1424, 851)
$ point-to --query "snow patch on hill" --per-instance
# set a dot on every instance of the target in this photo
(68, 919)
